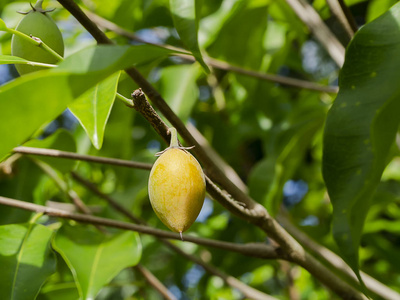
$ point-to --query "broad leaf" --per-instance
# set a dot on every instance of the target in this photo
(93, 108)
(94, 258)
(60, 140)
(32, 100)
(26, 260)
(178, 85)
(186, 15)
(361, 127)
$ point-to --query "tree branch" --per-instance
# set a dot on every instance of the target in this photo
(214, 191)
(214, 172)
(303, 84)
(323, 34)
(327, 255)
(252, 211)
(250, 249)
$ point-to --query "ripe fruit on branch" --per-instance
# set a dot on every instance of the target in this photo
(37, 24)
(176, 187)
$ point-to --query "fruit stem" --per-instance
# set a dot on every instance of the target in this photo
(174, 143)
(180, 232)
(38, 5)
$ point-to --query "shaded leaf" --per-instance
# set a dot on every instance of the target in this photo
(26, 260)
(60, 140)
(180, 89)
(93, 108)
(94, 258)
(27, 103)
(61, 285)
(361, 127)
(20, 184)
(186, 15)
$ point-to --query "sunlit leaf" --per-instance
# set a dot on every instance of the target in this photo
(95, 258)
(26, 260)
(93, 108)
(32, 100)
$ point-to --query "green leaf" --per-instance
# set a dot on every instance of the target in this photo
(60, 140)
(377, 8)
(93, 108)
(26, 260)
(35, 99)
(361, 127)
(211, 25)
(3, 25)
(178, 86)
(186, 15)
(10, 59)
(94, 258)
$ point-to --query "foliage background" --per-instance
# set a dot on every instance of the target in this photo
(269, 133)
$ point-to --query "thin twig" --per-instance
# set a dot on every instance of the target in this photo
(76, 156)
(222, 197)
(154, 282)
(258, 250)
(62, 185)
(246, 290)
(303, 84)
(349, 15)
(76, 200)
(339, 14)
(227, 169)
(323, 34)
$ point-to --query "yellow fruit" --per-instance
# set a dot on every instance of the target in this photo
(177, 187)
